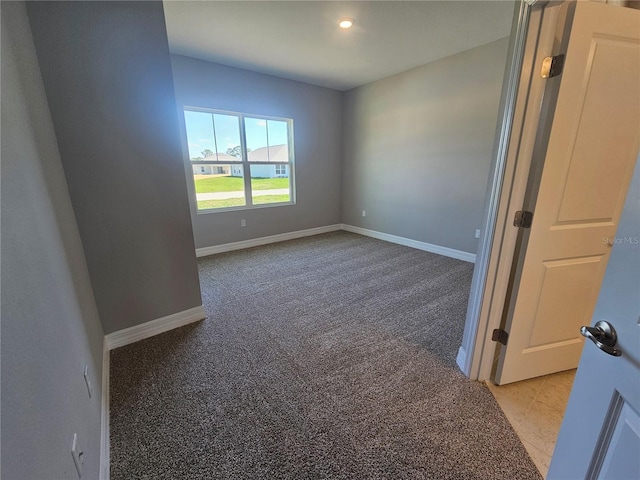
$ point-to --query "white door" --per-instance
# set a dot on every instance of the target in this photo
(591, 151)
(600, 434)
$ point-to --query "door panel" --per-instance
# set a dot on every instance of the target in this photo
(597, 168)
(622, 444)
(565, 283)
(600, 433)
(590, 154)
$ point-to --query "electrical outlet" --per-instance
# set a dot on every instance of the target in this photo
(364, 213)
(87, 381)
(478, 233)
(243, 223)
(77, 454)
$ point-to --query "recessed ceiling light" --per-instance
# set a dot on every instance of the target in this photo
(345, 22)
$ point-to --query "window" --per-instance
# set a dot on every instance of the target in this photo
(239, 160)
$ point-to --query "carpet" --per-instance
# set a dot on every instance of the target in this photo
(327, 357)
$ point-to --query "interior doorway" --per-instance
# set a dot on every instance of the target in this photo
(536, 406)
(514, 143)
(522, 148)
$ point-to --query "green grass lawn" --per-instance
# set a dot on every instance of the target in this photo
(239, 202)
(262, 199)
(228, 202)
(236, 184)
(269, 183)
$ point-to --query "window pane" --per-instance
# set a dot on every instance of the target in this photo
(219, 186)
(270, 184)
(228, 137)
(200, 136)
(219, 153)
(278, 141)
(256, 133)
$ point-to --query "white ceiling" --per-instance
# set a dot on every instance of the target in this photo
(301, 40)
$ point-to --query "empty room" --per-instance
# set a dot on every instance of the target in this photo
(319, 239)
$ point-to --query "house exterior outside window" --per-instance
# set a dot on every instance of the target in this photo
(239, 160)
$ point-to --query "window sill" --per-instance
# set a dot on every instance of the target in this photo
(243, 208)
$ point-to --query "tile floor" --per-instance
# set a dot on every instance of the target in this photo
(535, 408)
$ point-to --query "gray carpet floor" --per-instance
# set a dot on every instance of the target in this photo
(331, 356)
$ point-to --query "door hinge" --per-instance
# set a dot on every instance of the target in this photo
(500, 335)
(523, 219)
(552, 66)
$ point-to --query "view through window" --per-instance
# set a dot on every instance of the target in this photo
(239, 160)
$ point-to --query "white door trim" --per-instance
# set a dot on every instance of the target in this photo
(521, 98)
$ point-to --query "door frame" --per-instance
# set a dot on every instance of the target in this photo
(523, 89)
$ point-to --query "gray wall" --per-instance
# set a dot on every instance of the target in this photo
(417, 148)
(317, 119)
(107, 74)
(50, 325)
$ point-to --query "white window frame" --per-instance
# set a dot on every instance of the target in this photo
(244, 161)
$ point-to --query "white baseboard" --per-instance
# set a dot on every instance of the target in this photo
(104, 421)
(255, 242)
(408, 242)
(153, 327)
